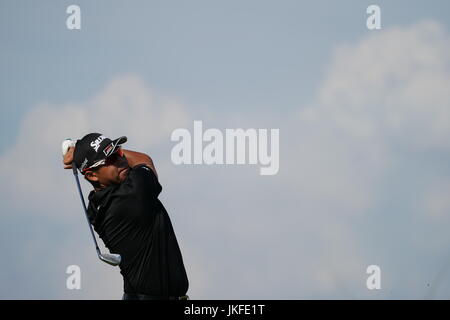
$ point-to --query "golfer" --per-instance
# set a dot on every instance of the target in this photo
(127, 215)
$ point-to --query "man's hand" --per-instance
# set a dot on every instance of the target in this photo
(68, 147)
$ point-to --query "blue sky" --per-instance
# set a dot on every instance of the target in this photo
(226, 55)
(363, 141)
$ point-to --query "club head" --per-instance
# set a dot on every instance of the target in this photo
(112, 259)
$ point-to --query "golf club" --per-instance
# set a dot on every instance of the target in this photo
(112, 259)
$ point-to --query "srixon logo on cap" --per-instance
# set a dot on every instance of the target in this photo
(96, 143)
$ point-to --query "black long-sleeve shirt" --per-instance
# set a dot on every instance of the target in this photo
(132, 222)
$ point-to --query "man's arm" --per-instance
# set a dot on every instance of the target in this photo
(134, 158)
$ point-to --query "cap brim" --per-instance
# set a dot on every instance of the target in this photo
(117, 143)
(120, 140)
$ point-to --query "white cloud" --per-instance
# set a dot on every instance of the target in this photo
(392, 85)
(381, 98)
(126, 106)
(387, 94)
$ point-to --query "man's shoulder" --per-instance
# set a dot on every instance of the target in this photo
(143, 176)
(143, 169)
(143, 166)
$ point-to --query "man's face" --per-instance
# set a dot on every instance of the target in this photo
(114, 171)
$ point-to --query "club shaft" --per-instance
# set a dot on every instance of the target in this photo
(84, 208)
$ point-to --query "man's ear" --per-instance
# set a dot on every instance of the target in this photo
(91, 176)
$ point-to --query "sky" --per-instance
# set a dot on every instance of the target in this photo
(364, 126)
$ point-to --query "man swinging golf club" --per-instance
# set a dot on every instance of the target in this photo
(127, 215)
